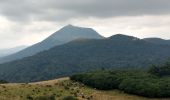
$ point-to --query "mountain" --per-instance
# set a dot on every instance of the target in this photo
(64, 35)
(6, 52)
(118, 51)
(157, 41)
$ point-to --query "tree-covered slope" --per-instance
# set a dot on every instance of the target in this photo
(83, 55)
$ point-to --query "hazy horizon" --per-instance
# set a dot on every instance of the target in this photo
(27, 45)
(29, 21)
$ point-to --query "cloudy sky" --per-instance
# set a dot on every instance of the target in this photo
(25, 22)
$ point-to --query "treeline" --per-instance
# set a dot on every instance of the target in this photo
(3, 81)
(143, 83)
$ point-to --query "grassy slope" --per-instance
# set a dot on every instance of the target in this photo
(61, 88)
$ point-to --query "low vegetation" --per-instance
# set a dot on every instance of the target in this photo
(61, 89)
(70, 98)
(96, 85)
(154, 83)
(160, 71)
(3, 82)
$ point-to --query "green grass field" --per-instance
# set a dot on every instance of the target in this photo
(59, 89)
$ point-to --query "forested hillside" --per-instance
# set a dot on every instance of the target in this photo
(118, 51)
(62, 36)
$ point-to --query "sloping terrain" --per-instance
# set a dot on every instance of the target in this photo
(6, 52)
(64, 35)
(118, 51)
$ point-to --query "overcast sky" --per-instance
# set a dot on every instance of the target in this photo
(25, 22)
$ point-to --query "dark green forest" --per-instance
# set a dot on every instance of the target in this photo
(154, 82)
(115, 52)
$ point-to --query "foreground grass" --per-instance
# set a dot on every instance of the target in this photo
(61, 88)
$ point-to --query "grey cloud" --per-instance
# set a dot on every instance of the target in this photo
(57, 10)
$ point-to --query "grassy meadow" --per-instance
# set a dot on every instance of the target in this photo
(59, 89)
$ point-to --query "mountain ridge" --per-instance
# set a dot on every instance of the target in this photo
(9, 51)
(62, 36)
(157, 41)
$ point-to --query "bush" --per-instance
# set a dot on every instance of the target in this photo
(29, 97)
(45, 98)
(3, 81)
(70, 98)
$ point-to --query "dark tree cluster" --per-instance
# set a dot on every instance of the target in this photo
(3, 81)
(163, 70)
(131, 81)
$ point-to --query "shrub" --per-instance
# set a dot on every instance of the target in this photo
(29, 97)
(3, 81)
(70, 98)
(45, 98)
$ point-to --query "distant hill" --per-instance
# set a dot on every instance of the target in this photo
(157, 41)
(64, 35)
(118, 51)
(6, 52)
